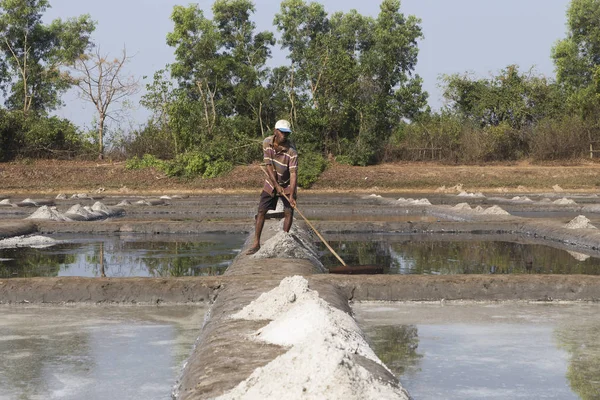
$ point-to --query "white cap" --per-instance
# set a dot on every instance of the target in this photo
(283, 126)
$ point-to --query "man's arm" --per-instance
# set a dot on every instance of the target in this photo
(293, 183)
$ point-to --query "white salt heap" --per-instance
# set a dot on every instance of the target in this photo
(48, 213)
(495, 210)
(564, 201)
(295, 244)
(101, 208)
(409, 201)
(465, 194)
(580, 222)
(27, 241)
(323, 343)
(462, 206)
(522, 199)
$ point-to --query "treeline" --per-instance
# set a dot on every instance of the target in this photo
(348, 87)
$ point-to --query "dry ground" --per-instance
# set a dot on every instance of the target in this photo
(50, 176)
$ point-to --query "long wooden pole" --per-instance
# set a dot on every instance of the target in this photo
(307, 221)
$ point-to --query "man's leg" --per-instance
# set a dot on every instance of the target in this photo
(288, 215)
(260, 223)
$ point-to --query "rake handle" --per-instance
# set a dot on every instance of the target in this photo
(307, 221)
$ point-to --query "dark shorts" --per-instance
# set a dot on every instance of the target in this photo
(268, 202)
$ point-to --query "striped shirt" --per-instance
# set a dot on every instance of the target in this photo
(284, 161)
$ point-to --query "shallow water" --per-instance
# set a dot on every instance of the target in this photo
(125, 256)
(491, 351)
(402, 254)
(94, 352)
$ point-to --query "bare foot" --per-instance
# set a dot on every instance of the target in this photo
(252, 250)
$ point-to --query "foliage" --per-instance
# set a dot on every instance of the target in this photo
(577, 58)
(313, 164)
(32, 54)
(146, 161)
(38, 137)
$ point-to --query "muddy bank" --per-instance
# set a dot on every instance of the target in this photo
(357, 288)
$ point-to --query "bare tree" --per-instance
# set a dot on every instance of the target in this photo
(104, 83)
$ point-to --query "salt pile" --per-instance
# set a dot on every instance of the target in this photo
(564, 201)
(409, 201)
(61, 196)
(580, 222)
(27, 241)
(101, 208)
(522, 199)
(495, 210)
(6, 202)
(462, 206)
(465, 194)
(557, 188)
(48, 213)
(124, 203)
(323, 342)
(295, 244)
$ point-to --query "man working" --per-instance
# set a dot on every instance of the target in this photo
(281, 159)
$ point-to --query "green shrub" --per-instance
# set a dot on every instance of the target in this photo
(147, 161)
(311, 165)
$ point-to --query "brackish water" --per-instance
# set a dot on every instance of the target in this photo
(488, 351)
(436, 257)
(124, 256)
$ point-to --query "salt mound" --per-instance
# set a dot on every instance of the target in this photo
(462, 206)
(495, 210)
(61, 196)
(101, 208)
(78, 209)
(27, 241)
(48, 213)
(288, 245)
(124, 203)
(465, 194)
(580, 222)
(270, 305)
(522, 199)
(564, 201)
(5, 202)
(557, 188)
(80, 196)
(374, 195)
(321, 363)
(165, 197)
(409, 201)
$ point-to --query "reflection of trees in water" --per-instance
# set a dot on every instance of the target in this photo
(474, 257)
(583, 345)
(396, 346)
(358, 253)
(166, 259)
(29, 262)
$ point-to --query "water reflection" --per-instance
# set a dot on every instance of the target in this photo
(461, 257)
(117, 256)
(583, 344)
(493, 351)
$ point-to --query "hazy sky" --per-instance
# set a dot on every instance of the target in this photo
(479, 36)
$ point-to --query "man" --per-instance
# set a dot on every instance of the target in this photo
(281, 159)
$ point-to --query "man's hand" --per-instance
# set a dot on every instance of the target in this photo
(279, 189)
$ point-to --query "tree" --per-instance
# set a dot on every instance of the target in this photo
(356, 73)
(577, 57)
(103, 82)
(33, 55)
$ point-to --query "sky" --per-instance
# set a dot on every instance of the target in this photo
(476, 36)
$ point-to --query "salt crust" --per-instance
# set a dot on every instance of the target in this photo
(322, 341)
(580, 222)
(28, 241)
